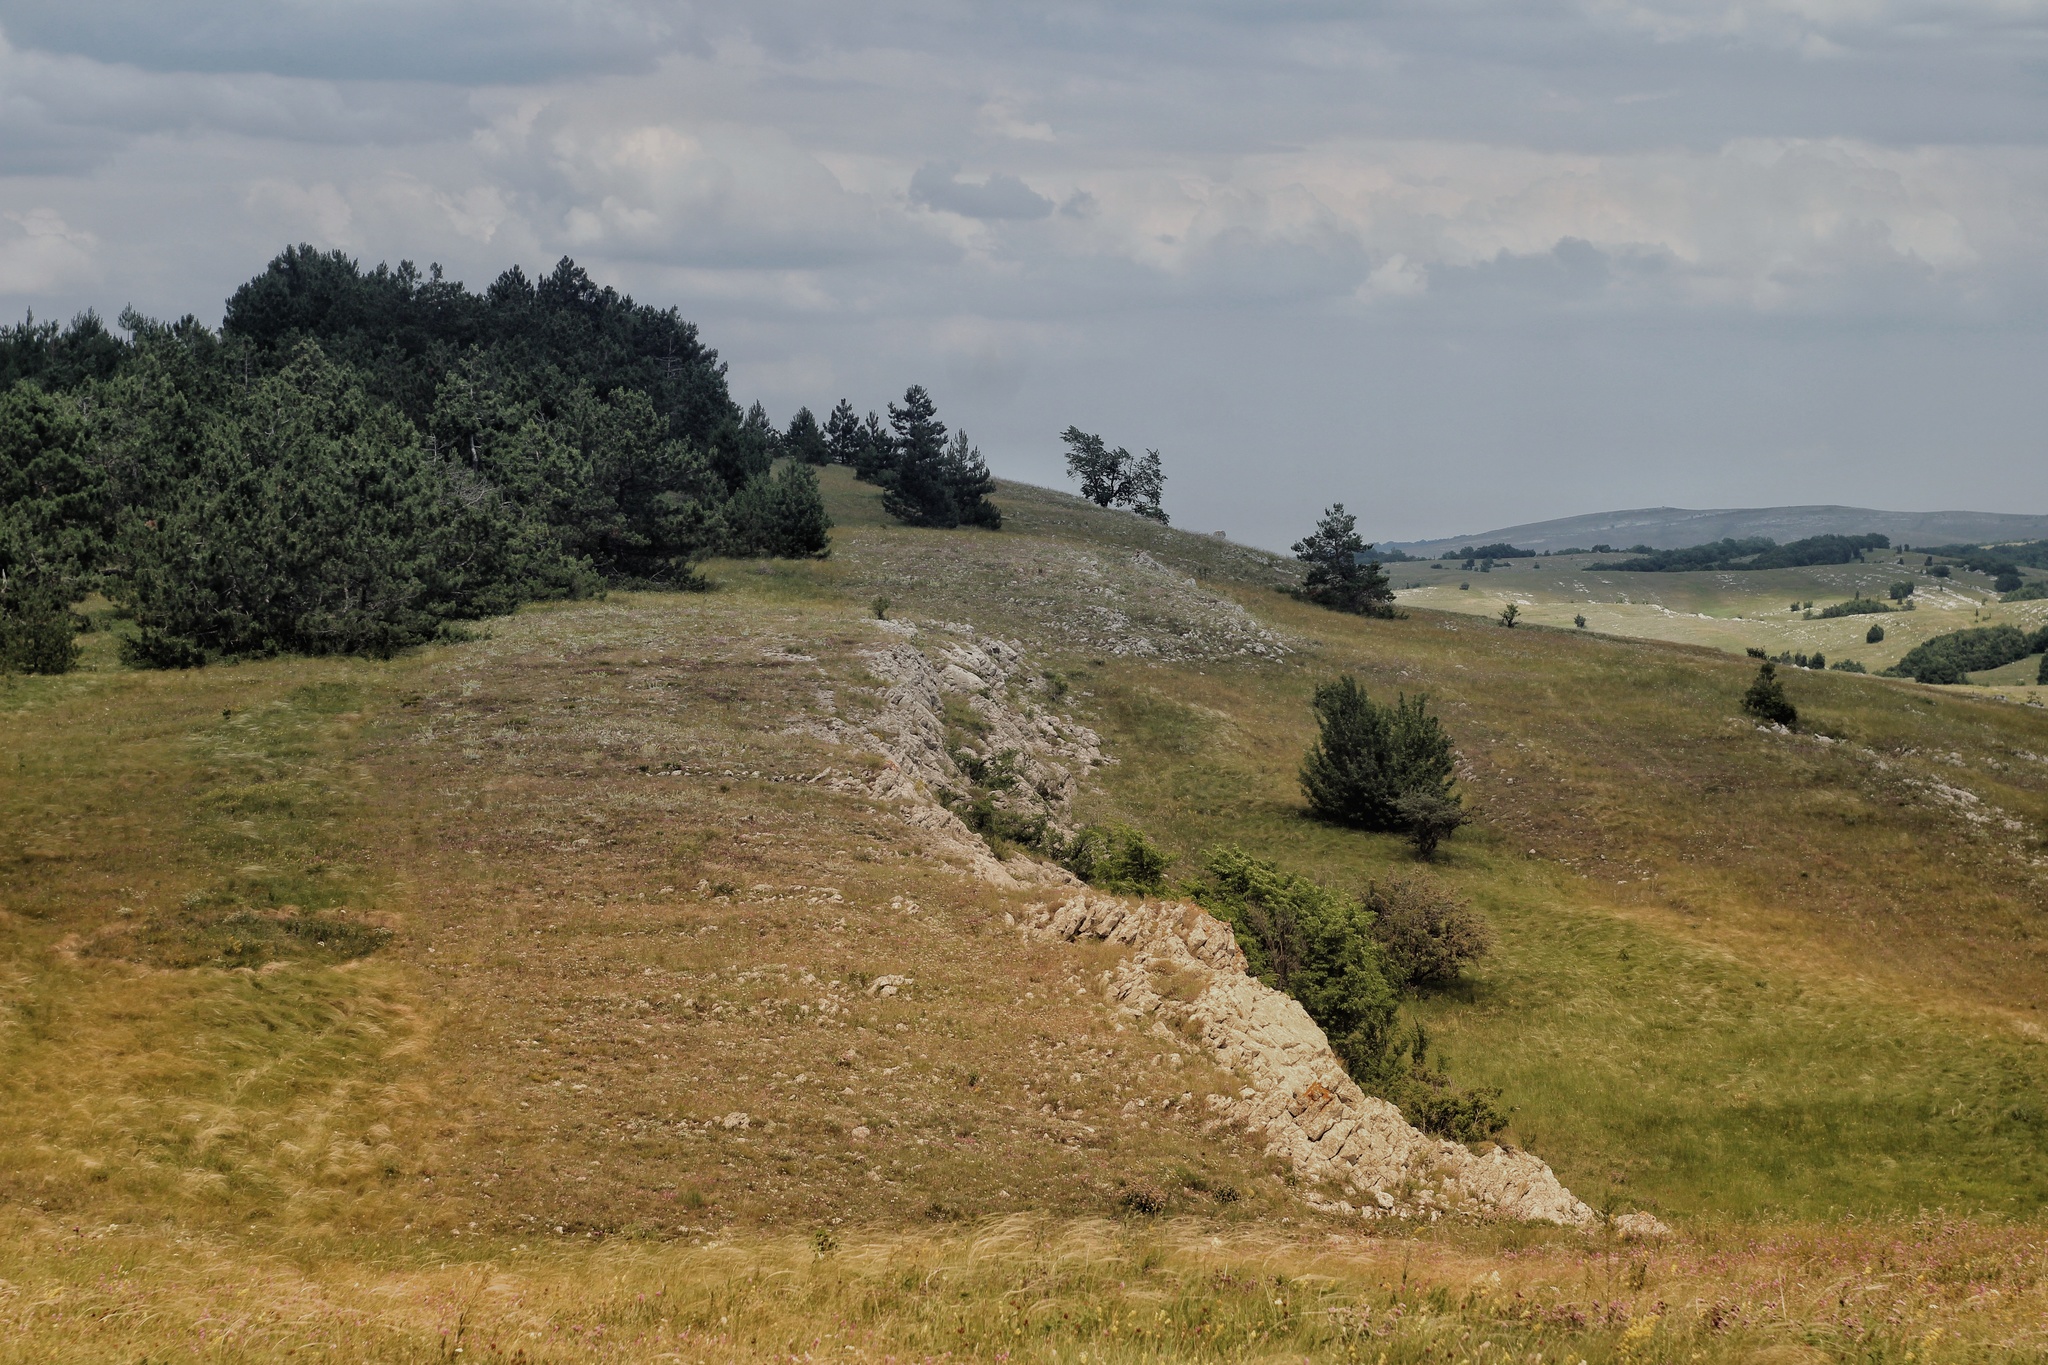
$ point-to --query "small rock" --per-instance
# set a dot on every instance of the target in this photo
(860, 1132)
(736, 1120)
(1632, 1227)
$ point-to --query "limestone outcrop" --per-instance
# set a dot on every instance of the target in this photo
(1185, 974)
(1040, 754)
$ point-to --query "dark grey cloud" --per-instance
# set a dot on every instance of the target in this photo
(937, 185)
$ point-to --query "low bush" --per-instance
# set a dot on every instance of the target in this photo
(1116, 858)
(1319, 947)
(1427, 934)
(37, 635)
(1432, 816)
(1312, 943)
(1430, 1100)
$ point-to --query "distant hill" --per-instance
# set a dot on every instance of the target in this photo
(1671, 528)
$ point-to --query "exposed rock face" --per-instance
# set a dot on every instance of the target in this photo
(1044, 754)
(1185, 973)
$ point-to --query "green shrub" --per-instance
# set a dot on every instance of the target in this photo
(1367, 757)
(1321, 948)
(1855, 606)
(1899, 592)
(1432, 1102)
(1116, 858)
(1875, 635)
(1315, 945)
(1847, 666)
(1431, 816)
(37, 635)
(1427, 934)
(779, 515)
(1766, 699)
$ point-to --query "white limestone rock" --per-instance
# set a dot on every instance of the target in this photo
(1297, 1094)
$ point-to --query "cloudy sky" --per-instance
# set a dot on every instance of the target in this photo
(1457, 264)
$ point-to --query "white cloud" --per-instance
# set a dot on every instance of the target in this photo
(1163, 210)
(40, 253)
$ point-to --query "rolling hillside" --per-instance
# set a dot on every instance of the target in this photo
(1737, 610)
(594, 989)
(1670, 528)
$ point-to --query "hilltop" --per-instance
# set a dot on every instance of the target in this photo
(1671, 528)
(606, 985)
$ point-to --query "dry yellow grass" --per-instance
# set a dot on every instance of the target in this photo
(1029, 1288)
(343, 1002)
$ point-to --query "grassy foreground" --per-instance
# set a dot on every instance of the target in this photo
(1026, 1288)
(514, 996)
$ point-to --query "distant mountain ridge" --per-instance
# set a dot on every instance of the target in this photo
(1672, 528)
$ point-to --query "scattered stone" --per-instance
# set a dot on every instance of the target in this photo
(1633, 1227)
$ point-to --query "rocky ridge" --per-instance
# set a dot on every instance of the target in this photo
(1186, 975)
(1043, 754)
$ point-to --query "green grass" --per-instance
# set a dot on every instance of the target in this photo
(1724, 610)
(1740, 975)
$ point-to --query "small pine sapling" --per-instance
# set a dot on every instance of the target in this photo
(1766, 699)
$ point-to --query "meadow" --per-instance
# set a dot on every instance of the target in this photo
(516, 997)
(1736, 611)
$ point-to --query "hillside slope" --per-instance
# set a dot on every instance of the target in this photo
(589, 933)
(1670, 528)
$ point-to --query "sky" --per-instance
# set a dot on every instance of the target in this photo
(1455, 264)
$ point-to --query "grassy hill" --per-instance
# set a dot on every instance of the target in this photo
(1734, 611)
(1670, 528)
(523, 994)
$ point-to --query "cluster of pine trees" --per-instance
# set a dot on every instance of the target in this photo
(357, 458)
(926, 478)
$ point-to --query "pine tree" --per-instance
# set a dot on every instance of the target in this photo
(1367, 757)
(919, 489)
(1340, 576)
(781, 515)
(876, 458)
(805, 441)
(843, 435)
(1115, 478)
(1766, 698)
(969, 483)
